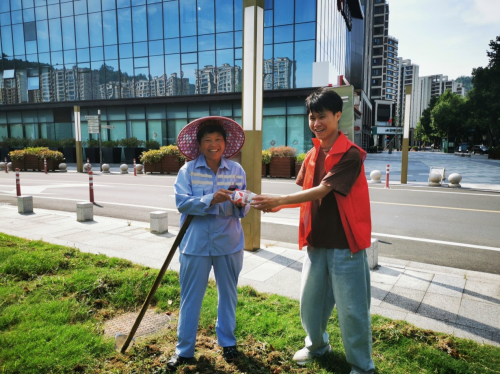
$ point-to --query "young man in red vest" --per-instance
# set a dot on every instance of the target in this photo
(335, 226)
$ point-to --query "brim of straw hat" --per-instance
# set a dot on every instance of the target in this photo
(188, 144)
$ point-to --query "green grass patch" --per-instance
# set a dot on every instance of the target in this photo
(54, 300)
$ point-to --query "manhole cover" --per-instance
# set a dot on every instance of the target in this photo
(152, 323)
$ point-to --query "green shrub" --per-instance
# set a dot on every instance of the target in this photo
(17, 155)
(67, 142)
(151, 156)
(172, 150)
(300, 158)
(110, 143)
(91, 143)
(283, 151)
(152, 144)
(266, 156)
(131, 142)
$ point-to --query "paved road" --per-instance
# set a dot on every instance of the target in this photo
(457, 228)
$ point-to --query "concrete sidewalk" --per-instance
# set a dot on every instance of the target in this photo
(454, 301)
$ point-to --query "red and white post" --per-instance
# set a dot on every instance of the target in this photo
(135, 169)
(88, 166)
(45, 165)
(6, 169)
(91, 187)
(18, 183)
(387, 177)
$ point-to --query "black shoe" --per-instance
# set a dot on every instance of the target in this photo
(176, 361)
(230, 353)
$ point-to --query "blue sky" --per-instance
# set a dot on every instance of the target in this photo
(447, 37)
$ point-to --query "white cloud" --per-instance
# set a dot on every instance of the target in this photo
(483, 12)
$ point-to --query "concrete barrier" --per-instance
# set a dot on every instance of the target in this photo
(139, 168)
(435, 179)
(158, 222)
(372, 254)
(105, 168)
(454, 180)
(375, 176)
(25, 204)
(124, 169)
(63, 168)
(84, 212)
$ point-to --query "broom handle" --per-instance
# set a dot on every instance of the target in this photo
(157, 282)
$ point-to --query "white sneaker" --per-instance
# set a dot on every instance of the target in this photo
(303, 356)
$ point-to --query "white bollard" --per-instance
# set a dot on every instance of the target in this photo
(105, 168)
(86, 167)
(124, 169)
(139, 168)
(84, 212)
(435, 180)
(372, 254)
(25, 204)
(9, 166)
(455, 180)
(63, 168)
(375, 176)
(158, 222)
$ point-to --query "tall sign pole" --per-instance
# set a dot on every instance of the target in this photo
(251, 157)
(406, 136)
(100, 141)
(78, 140)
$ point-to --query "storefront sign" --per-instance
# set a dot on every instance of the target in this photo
(387, 130)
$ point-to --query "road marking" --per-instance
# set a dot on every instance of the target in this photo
(444, 192)
(437, 241)
(437, 207)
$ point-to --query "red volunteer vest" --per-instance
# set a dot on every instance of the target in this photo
(354, 209)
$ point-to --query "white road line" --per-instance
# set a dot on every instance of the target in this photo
(444, 192)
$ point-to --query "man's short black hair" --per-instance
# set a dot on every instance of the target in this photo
(324, 99)
(210, 127)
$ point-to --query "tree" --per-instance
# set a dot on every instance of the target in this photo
(466, 82)
(494, 55)
(447, 115)
(426, 131)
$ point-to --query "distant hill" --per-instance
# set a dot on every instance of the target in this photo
(466, 82)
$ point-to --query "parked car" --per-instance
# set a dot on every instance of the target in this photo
(480, 149)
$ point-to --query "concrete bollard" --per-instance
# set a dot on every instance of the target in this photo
(9, 166)
(63, 168)
(86, 167)
(2, 166)
(158, 222)
(372, 254)
(105, 168)
(434, 179)
(25, 204)
(375, 176)
(124, 169)
(139, 168)
(84, 212)
(454, 180)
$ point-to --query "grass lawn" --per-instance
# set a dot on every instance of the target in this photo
(54, 300)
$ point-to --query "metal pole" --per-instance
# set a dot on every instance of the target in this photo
(6, 168)
(18, 183)
(387, 177)
(78, 140)
(91, 187)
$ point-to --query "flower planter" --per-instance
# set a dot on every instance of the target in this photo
(112, 155)
(282, 167)
(17, 165)
(298, 166)
(50, 165)
(170, 164)
(131, 153)
(31, 163)
(93, 155)
(69, 154)
(152, 168)
(265, 170)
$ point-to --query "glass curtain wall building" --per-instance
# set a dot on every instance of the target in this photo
(151, 66)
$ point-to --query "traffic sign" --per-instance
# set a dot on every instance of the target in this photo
(107, 127)
(92, 117)
(93, 122)
(93, 130)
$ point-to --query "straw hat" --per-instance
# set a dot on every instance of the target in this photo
(188, 144)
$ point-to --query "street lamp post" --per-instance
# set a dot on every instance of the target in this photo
(406, 136)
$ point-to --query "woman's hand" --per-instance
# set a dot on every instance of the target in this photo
(266, 203)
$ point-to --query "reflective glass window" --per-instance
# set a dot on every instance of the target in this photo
(140, 31)
(198, 110)
(124, 25)
(111, 52)
(57, 58)
(138, 2)
(66, 9)
(282, 67)
(238, 39)
(268, 35)
(82, 38)
(189, 72)
(238, 53)
(127, 74)
(156, 48)
(224, 15)
(98, 80)
(122, 3)
(206, 42)
(273, 131)
(4, 6)
(69, 56)
(141, 62)
(5, 19)
(206, 59)
(140, 49)
(188, 44)
(224, 40)
(126, 50)
(31, 48)
(206, 24)
(225, 56)
(138, 128)
(171, 19)
(155, 26)
(68, 27)
(28, 4)
(108, 4)
(173, 66)
(188, 58)
(44, 58)
(188, 17)
(283, 12)
(53, 2)
(41, 13)
(221, 109)
(141, 82)
(95, 30)
(96, 54)
(94, 5)
(17, 17)
(283, 34)
(174, 126)
(109, 27)
(18, 32)
(268, 4)
(172, 46)
(15, 4)
(305, 31)
(268, 18)
(29, 15)
(83, 55)
(157, 68)
(305, 11)
(238, 15)
(55, 34)
(29, 31)
(54, 11)
(80, 7)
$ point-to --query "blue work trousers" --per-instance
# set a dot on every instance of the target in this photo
(194, 274)
(337, 277)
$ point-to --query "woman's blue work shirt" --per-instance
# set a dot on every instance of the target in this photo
(215, 230)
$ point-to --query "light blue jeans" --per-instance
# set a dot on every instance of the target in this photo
(193, 275)
(336, 277)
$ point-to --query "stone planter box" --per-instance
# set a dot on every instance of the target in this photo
(265, 170)
(298, 166)
(112, 155)
(131, 153)
(170, 164)
(92, 154)
(17, 165)
(152, 168)
(69, 154)
(51, 165)
(31, 163)
(282, 167)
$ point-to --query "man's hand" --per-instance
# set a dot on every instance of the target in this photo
(266, 203)
(221, 196)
